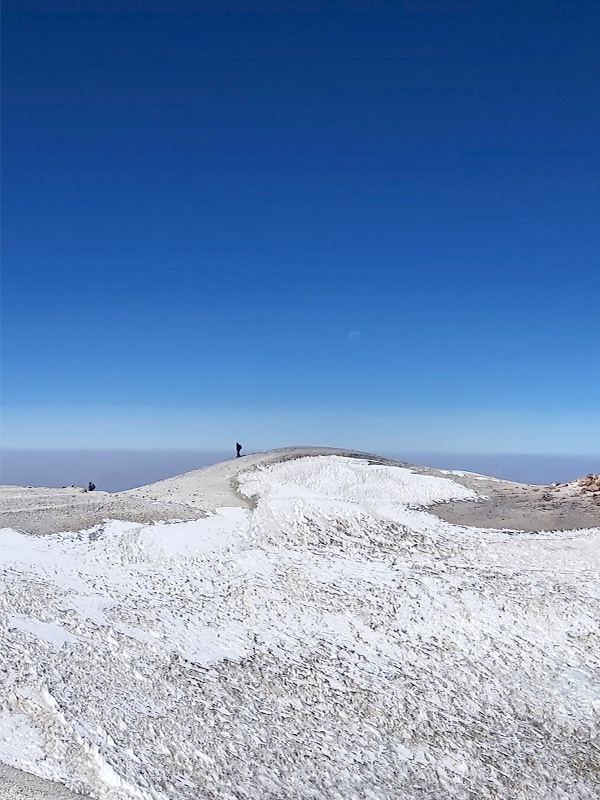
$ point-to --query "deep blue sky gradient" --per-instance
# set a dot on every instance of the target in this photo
(200, 207)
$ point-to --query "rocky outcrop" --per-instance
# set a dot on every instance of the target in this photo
(589, 483)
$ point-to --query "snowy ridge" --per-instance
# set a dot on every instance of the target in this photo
(338, 641)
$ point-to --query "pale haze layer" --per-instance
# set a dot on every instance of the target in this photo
(95, 426)
(117, 470)
(118, 448)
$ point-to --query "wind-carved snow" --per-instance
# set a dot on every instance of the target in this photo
(338, 641)
(461, 473)
(50, 632)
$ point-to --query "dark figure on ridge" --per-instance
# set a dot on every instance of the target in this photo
(91, 486)
(238, 449)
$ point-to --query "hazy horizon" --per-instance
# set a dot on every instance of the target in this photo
(116, 470)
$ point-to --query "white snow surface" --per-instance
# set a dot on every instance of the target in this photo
(461, 473)
(338, 641)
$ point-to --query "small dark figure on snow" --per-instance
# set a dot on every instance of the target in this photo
(91, 486)
(238, 449)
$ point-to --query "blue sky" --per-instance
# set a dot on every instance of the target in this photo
(201, 207)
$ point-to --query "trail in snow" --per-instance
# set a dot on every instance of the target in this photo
(337, 641)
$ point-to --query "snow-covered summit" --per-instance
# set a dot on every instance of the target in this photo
(326, 636)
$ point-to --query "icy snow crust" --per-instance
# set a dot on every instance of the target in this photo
(336, 642)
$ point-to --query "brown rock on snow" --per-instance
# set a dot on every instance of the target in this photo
(589, 483)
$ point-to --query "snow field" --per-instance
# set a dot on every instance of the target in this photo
(337, 641)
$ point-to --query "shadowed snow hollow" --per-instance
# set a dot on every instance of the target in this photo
(338, 641)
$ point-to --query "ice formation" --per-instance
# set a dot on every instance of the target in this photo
(338, 641)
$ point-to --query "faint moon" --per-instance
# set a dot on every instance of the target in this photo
(354, 335)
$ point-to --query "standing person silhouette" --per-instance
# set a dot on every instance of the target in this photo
(238, 449)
